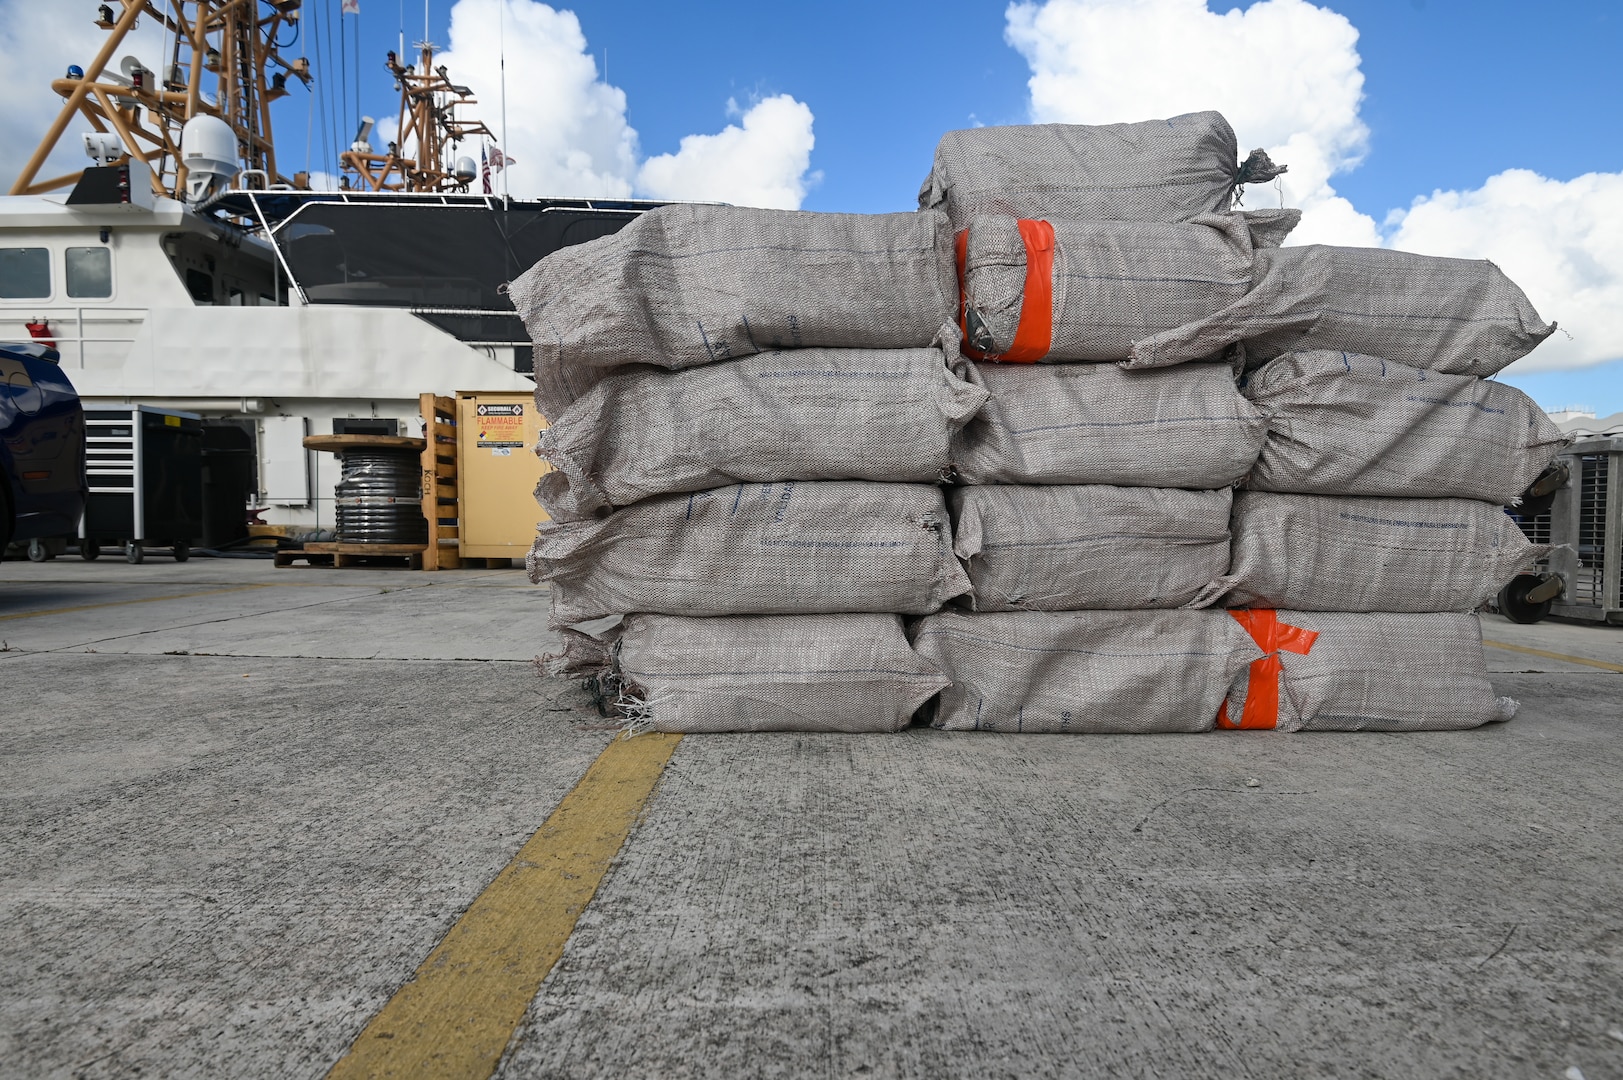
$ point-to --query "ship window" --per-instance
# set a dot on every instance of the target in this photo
(90, 272)
(200, 285)
(25, 273)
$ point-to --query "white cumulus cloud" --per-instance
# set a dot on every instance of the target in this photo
(38, 41)
(1561, 241)
(761, 161)
(1285, 73)
(566, 127)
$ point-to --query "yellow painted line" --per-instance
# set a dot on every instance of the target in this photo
(1554, 655)
(121, 603)
(456, 1015)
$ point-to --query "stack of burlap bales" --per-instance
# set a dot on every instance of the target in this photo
(1369, 528)
(753, 414)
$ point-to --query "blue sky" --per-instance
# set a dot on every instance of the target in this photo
(1453, 94)
(1459, 90)
(1455, 90)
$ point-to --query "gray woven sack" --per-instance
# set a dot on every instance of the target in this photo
(1344, 424)
(1084, 671)
(1112, 282)
(1185, 427)
(579, 653)
(772, 673)
(1075, 547)
(1383, 672)
(1459, 316)
(805, 414)
(685, 285)
(756, 549)
(1324, 553)
(1156, 170)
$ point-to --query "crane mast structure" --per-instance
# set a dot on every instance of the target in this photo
(229, 43)
(428, 104)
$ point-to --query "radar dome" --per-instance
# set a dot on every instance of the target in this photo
(208, 149)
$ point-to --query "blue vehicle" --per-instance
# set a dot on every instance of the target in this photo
(42, 452)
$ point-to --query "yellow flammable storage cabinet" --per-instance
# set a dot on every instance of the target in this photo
(497, 469)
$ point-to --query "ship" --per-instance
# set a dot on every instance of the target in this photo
(183, 268)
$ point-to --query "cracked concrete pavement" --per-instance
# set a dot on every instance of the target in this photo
(242, 804)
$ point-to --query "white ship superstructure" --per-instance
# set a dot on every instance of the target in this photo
(165, 306)
(172, 273)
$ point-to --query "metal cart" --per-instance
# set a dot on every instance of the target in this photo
(145, 467)
(1583, 577)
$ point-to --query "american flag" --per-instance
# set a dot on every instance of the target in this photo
(349, 7)
(494, 162)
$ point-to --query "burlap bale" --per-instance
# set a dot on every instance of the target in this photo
(1344, 424)
(1459, 316)
(580, 653)
(1076, 547)
(1185, 427)
(772, 673)
(807, 414)
(1382, 672)
(1084, 671)
(684, 285)
(1111, 283)
(1323, 553)
(756, 549)
(1157, 170)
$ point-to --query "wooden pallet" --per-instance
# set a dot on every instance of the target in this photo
(475, 562)
(342, 556)
(440, 483)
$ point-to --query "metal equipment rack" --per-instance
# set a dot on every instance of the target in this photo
(1583, 575)
(145, 467)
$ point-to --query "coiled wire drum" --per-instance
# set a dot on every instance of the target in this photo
(379, 496)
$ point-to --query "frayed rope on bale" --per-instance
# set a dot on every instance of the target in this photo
(637, 712)
(1257, 168)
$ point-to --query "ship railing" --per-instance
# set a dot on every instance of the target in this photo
(72, 346)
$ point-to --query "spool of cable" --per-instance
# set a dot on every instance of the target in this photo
(379, 489)
(379, 497)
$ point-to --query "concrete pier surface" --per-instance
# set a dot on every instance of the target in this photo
(240, 806)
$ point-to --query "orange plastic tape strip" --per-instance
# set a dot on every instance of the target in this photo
(1262, 682)
(1034, 335)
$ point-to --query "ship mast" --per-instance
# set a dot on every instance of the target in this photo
(229, 44)
(428, 104)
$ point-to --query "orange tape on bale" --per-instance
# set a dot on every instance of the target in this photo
(961, 247)
(1262, 681)
(1034, 334)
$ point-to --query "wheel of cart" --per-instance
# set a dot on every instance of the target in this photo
(38, 551)
(1517, 606)
(135, 550)
(146, 486)
(89, 548)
